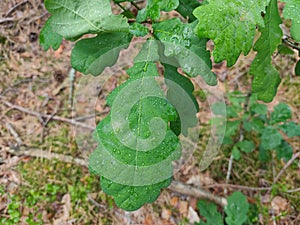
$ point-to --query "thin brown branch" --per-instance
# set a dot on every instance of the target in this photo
(175, 185)
(14, 133)
(46, 116)
(295, 156)
(11, 10)
(239, 187)
(9, 19)
(196, 192)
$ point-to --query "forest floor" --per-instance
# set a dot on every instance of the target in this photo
(40, 139)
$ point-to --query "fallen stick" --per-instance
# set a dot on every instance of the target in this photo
(46, 116)
(175, 186)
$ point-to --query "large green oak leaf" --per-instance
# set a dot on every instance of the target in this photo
(231, 24)
(92, 55)
(266, 77)
(73, 18)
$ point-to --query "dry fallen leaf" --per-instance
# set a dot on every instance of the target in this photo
(193, 216)
(183, 208)
(166, 214)
(279, 204)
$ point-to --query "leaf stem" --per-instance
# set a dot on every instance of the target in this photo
(135, 5)
(126, 11)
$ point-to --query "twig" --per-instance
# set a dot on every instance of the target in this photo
(135, 5)
(239, 187)
(92, 115)
(14, 133)
(228, 172)
(96, 203)
(15, 7)
(71, 89)
(32, 152)
(290, 42)
(295, 156)
(293, 190)
(58, 118)
(44, 123)
(9, 19)
(196, 192)
(175, 185)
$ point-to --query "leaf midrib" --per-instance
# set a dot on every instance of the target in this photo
(79, 15)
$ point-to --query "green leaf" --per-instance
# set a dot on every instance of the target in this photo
(246, 146)
(231, 111)
(264, 154)
(236, 153)
(281, 113)
(259, 109)
(231, 25)
(231, 130)
(92, 55)
(270, 138)
(186, 7)
(135, 140)
(180, 95)
(292, 11)
(181, 43)
(48, 38)
(237, 209)
(266, 77)
(283, 49)
(291, 129)
(297, 68)
(138, 29)
(210, 212)
(284, 151)
(71, 19)
(132, 197)
(154, 7)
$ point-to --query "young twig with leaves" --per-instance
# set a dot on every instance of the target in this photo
(139, 138)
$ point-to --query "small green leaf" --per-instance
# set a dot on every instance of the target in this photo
(292, 11)
(154, 7)
(48, 38)
(259, 109)
(181, 43)
(246, 146)
(270, 138)
(231, 130)
(231, 25)
(186, 8)
(264, 154)
(210, 212)
(237, 209)
(283, 49)
(281, 113)
(71, 19)
(258, 123)
(266, 77)
(291, 129)
(92, 55)
(231, 111)
(236, 153)
(297, 68)
(284, 151)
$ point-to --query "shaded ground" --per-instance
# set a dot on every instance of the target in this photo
(34, 190)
